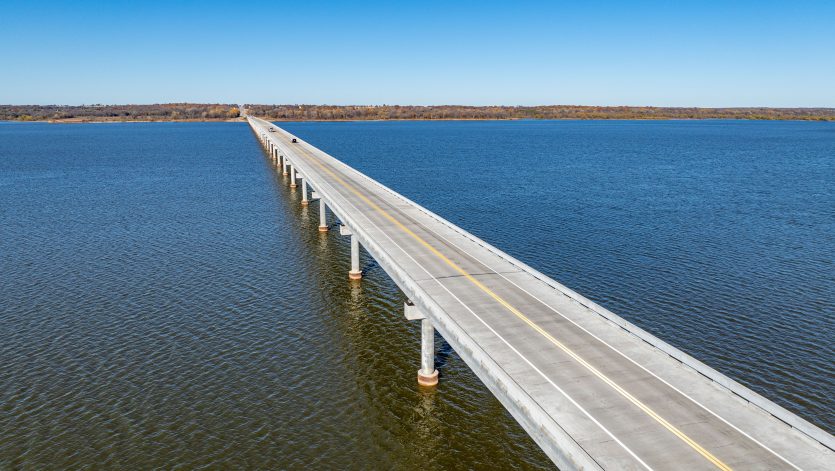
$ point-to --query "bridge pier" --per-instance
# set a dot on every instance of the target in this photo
(284, 167)
(305, 201)
(427, 374)
(323, 216)
(355, 273)
(292, 177)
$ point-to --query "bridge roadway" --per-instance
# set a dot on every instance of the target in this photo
(594, 391)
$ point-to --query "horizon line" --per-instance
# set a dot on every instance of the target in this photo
(824, 107)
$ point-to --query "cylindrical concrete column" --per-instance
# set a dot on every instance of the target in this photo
(305, 202)
(286, 164)
(355, 273)
(292, 177)
(323, 215)
(427, 374)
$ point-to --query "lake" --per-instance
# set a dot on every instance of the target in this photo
(165, 300)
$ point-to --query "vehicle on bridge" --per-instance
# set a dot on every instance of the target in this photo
(294, 140)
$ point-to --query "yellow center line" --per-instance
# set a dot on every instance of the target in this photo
(678, 433)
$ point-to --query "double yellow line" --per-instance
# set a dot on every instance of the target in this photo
(678, 433)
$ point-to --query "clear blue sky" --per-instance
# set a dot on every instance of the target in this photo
(666, 53)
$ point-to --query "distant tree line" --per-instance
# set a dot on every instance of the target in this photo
(397, 112)
(217, 112)
(82, 113)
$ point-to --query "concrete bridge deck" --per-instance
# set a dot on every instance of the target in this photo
(594, 391)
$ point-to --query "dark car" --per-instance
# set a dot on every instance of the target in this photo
(294, 140)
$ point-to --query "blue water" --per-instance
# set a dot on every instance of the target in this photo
(165, 300)
(717, 236)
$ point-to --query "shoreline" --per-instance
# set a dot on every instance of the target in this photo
(243, 120)
(105, 121)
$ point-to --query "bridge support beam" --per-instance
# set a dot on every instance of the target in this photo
(427, 374)
(305, 201)
(355, 273)
(323, 216)
(284, 168)
(292, 177)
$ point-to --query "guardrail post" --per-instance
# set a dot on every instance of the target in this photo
(427, 374)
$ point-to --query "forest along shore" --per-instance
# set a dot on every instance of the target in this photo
(120, 113)
(229, 112)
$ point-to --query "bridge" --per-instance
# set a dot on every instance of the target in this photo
(593, 390)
